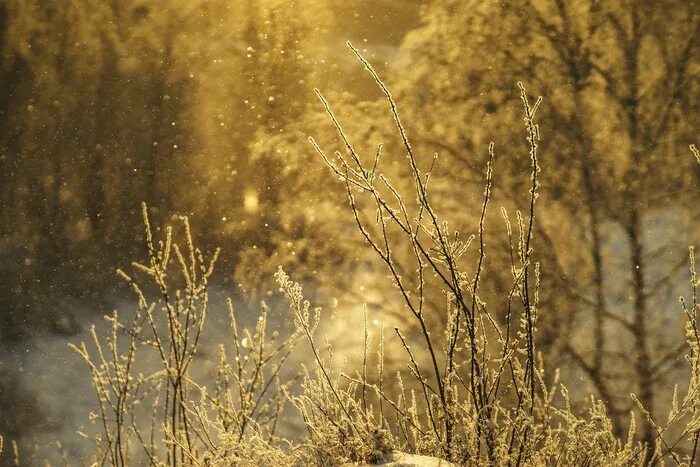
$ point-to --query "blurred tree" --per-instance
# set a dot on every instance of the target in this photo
(253, 89)
(619, 80)
(107, 105)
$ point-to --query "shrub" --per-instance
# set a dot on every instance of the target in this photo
(475, 394)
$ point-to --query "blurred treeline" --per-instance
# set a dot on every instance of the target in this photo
(105, 104)
(203, 108)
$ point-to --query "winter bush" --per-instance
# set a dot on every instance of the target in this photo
(473, 393)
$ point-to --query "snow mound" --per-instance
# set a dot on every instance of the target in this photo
(401, 459)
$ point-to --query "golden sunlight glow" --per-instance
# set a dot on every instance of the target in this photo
(430, 207)
(250, 201)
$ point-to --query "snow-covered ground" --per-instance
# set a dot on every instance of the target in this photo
(61, 382)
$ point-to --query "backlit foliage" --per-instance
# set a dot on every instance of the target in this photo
(476, 394)
(501, 291)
